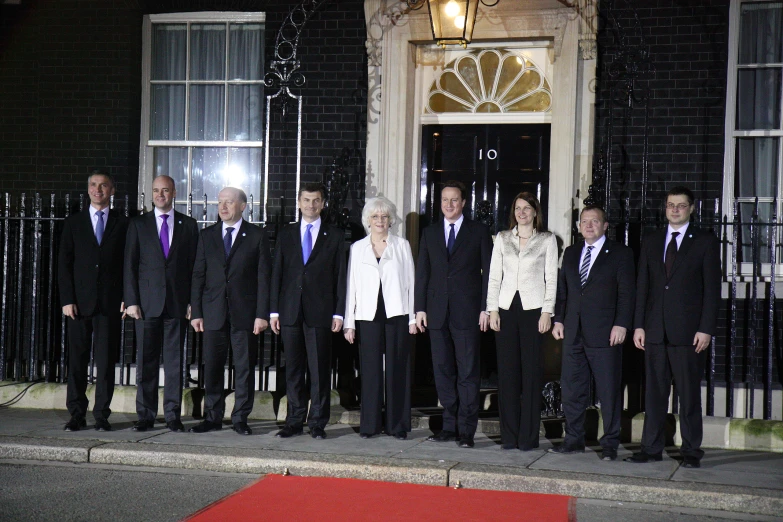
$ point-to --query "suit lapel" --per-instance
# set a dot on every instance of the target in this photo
(241, 234)
(463, 231)
(441, 239)
(687, 241)
(152, 228)
(323, 234)
(657, 251)
(176, 216)
(110, 223)
(600, 258)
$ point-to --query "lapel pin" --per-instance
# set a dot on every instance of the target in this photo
(180, 222)
(607, 250)
(243, 234)
(690, 235)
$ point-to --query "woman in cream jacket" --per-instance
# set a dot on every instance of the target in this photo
(521, 300)
(379, 308)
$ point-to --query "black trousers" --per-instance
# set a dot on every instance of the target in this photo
(376, 337)
(455, 363)
(662, 362)
(580, 363)
(307, 347)
(167, 334)
(519, 375)
(102, 331)
(216, 346)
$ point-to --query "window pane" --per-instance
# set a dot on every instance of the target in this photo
(207, 52)
(172, 161)
(206, 112)
(746, 239)
(209, 172)
(167, 112)
(244, 171)
(758, 98)
(198, 211)
(761, 33)
(245, 103)
(169, 49)
(757, 167)
(246, 61)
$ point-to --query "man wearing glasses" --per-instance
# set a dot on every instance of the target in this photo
(677, 296)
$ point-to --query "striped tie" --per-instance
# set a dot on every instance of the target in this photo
(585, 268)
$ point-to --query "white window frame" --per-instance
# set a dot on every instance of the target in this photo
(731, 134)
(146, 146)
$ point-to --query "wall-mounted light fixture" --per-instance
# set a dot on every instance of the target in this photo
(452, 21)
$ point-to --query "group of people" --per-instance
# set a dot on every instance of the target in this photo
(160, 270)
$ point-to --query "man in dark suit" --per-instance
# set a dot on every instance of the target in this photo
(308, 302)
(230, 304)
(159, 255)
(593, 312)
(677, 297)
(90, 279)
(450, 298)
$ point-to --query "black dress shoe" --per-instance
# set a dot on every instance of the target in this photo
(466, 442)
(142, 425)
(401, 435)
(242, 428)
(566, 450)
(317, 433)
(691, 462)
(176, 426)
(528, 448)
(643, 458)
(508, 446)
(608, 454)
(366, 435)
(102, 425)
(443, 436)
(76, 423)
(289, 431)
(205, 426)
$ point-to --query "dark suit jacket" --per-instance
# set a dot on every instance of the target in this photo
(457, 285)
(153, 281)
(317, 289)
(606, 300)
(90, 275)
(234, 288)
(687, 302)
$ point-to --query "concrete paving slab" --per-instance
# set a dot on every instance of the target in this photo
(624, 489)
(590, 462)
(29, 448)
(121, 430)
(743, 461)
(22, 421)
(486, 451)
(261, 462)
(735, 478)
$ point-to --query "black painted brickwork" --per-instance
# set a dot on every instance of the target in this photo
(70, 93)
(687, 40)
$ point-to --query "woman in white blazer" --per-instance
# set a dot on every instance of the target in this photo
(521, 300)
(379, 313)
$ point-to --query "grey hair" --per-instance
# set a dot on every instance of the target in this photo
(239, 192)
(379, 204)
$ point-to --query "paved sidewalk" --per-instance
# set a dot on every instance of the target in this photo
(743, 482)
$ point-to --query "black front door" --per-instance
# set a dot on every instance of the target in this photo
(495, 162)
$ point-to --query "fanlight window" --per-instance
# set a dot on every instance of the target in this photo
(490, 81)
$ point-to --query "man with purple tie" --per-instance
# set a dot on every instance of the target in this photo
(159, 254)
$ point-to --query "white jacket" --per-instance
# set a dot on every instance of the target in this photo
(365, 275)
(532, 272)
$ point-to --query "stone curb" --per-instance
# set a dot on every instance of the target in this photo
(623, 489)
(242, 460)
(735, 499)
(61, 450)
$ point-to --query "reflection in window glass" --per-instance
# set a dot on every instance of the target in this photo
(761, 39)
(207, 51)
(167, 112)
(170, 44)
(757, 167)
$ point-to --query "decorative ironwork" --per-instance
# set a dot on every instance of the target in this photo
(551, 396)
(336, 181)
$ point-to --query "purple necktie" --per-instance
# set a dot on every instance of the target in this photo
(164, 235)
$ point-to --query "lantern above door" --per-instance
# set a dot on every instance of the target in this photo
(452, 21)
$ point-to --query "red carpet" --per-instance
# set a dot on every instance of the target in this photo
(275, 497)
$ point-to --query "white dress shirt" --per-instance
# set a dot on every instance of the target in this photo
(457, 226)
(683, 229)
(170, 220)
(599, 243)
(233, 232)
(94, 217)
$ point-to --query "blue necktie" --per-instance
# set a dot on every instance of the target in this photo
(99, 227)
(227, 240)
(452, 238)
(307, 244)
(585, 268)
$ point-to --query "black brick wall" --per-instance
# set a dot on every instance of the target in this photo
(70, 93)
(687, 41)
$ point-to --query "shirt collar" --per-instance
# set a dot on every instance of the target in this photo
(158, 212)
(682, 230)
(457, 223)
(598, 245)
(93, 210)
(235, 225)
(316, 224)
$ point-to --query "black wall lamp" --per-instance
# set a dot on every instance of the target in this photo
(452, 21)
